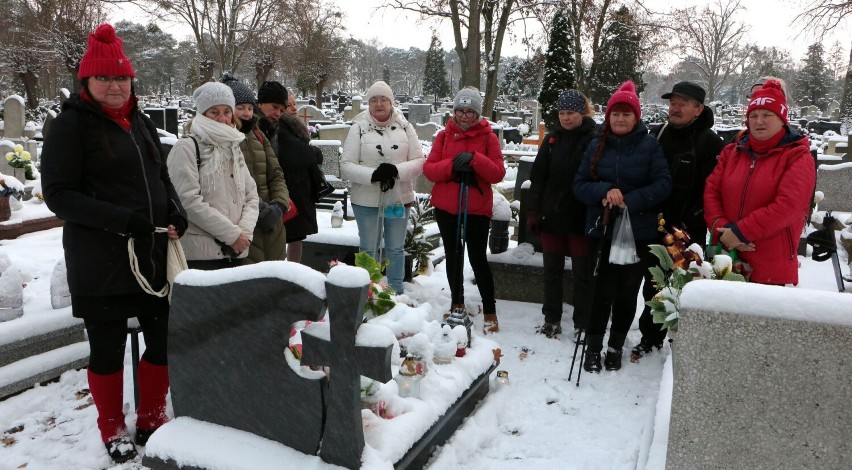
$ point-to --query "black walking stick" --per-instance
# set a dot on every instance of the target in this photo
(459, 316)
(603, 223)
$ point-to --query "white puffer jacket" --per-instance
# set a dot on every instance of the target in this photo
(398, 144)
(215, 209)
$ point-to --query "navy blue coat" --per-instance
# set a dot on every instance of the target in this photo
(635, 164)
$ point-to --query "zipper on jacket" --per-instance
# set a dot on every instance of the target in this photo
(745, 187)
(147, 194)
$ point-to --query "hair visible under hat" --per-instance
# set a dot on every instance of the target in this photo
(242, 92)
(212, 94)
(469, 98)
(380, 88)
(572, 100)
(626, 94)
(272, 92)
(105, 55)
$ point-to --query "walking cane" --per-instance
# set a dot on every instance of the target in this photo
(603, 222)
(461, 231)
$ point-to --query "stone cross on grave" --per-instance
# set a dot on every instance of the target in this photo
(305, 116)
(343, 437)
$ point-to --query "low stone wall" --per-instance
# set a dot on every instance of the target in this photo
(524, 282)
(762, 378)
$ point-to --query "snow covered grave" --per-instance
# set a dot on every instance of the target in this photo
(761, 378)
(230, 366)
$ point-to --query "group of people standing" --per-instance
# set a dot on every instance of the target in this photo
(753, 194)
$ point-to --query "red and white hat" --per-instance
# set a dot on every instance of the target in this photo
(626, 94)
(105, 55)
(770, 97)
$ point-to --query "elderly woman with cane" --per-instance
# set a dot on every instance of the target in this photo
(381, 158)
(104, 173)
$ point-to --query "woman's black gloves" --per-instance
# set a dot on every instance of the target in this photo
(385, 174)
(269, 216)
(461, 164)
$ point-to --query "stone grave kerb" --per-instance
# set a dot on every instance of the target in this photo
(227, 361)
(343, 437)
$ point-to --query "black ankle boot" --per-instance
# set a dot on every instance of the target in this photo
(613, 359)
(142, 436)
(592, 362)
(121, 449)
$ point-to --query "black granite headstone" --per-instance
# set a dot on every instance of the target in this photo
(227, 364)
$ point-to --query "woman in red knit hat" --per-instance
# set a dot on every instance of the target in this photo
(623, 169)
(757, 199)
(104, 173)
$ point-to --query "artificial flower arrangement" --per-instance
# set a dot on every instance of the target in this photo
(379, 301)
(20, 158)
(680, 263)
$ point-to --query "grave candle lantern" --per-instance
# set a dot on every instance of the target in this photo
(408, 380)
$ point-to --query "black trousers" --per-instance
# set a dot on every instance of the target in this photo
(616, 289)
(108, 340)
(476, 237)
(554, 270)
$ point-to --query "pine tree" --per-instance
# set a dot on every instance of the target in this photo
(558, 68)
(435, 75)
(620, 58)
(813, 81)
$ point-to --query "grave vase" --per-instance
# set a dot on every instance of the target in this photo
(19, 174)
(5, 209)
(498, 241)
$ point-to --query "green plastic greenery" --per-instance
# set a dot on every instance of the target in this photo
(379, 300)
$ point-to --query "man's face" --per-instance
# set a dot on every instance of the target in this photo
(683, 110)
(271, 111)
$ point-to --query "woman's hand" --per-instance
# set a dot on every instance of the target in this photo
(241, 244)
(172, 233)
(613, 198)
(732, 242)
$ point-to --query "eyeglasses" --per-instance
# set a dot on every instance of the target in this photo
(468, 113)
(108, 79)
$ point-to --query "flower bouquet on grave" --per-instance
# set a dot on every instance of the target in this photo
(20, 158)
(379, 301)
(680, 263)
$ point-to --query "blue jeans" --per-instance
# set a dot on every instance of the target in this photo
(394, 238)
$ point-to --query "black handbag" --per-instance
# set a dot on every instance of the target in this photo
(321, 186)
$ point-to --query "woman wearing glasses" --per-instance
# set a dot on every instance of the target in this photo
(103, 172)
(381, 158)
(466, 151)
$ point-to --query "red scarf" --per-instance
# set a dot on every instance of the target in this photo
(760, 147)
(120, 115)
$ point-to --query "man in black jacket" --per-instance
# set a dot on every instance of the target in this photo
(691, 148)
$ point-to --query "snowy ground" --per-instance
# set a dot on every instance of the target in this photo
(540, 421)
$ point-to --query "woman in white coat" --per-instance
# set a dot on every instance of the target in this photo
(381, 158)
(214, 184)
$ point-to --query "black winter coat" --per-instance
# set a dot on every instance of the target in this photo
(296, 156)
(94, 175)
(633, 163)
(691, 152)
(552, 174)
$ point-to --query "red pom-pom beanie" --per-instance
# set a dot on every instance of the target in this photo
(105, 55)
(626, 94)
(770, 97)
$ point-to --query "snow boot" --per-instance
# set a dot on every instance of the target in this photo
(613, 359)
(491, 324)
(592, 362)
(550, 329)
(153, 387)
(108, 395)
(642, 349)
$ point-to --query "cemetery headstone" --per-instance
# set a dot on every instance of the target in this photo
(350, 112)
(419, 113)
(64, 94)
(334, 132)
(426, 130)
(13, 118)
(310, 113)
(514, 121)
(48, 120)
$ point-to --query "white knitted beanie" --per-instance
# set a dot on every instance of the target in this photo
(211, 94)
(380, 88)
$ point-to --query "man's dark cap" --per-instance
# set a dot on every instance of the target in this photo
(687, 90)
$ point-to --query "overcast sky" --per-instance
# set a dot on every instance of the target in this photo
(770, 23)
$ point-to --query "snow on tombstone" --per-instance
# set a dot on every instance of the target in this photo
(60, 294)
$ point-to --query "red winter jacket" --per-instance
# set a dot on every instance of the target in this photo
(766, 199)
(487, 165)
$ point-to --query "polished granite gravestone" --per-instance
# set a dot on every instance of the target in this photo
(226, 358)
(227, 364)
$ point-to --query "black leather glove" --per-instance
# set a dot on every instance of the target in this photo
(179, 223)
(461, 164)
(384, 171)
(139, 227)
(269, 216)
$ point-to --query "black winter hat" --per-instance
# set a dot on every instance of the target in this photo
(272, 92)
(687, 90)
(242, 93)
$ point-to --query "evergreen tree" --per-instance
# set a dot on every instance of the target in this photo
(558, 68)
(620, 58)
(435, 75)
(813, 81)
